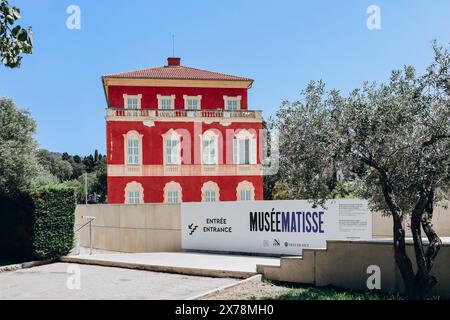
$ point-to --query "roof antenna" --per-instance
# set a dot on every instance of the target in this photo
(173, 45)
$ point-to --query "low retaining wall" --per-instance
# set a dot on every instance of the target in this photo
(156, 227)
(131, 228)
(344, 264)
(382, 226)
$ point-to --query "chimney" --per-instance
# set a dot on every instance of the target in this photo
(173, 62)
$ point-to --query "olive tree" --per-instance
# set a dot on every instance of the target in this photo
(19, 166)
(392, 141)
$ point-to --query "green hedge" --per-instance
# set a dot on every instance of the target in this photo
(16, 229)
(54, 219)
(38, 224)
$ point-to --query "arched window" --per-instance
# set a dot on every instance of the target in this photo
(210, 148)
(134, 193)
(173, 192)
(210, 192)
(133, 148)
(172, 147)
(244, 148)
(245, 191)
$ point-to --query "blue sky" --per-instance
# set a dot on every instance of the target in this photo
(280, 44)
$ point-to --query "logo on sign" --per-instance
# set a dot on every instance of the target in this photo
(192, 228)
(276, 242)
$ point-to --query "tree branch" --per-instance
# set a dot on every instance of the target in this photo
(435, 139)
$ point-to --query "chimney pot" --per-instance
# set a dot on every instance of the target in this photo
(173, 62)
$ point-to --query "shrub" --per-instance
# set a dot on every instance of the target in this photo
(54, 218)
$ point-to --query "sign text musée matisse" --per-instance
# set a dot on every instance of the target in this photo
(272, 227)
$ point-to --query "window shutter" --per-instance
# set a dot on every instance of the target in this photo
(178, 151)
(252, 151)
(235, 151)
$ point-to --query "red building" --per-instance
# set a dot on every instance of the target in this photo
(176, 133)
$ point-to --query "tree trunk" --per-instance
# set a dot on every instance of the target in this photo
(401, 257)
(422, 218)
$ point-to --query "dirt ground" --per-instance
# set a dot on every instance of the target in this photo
(250, 290)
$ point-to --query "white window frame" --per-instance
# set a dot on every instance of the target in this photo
(210, 196)
(208, 189)
(171, 135)
(133, 197)
(227, 99)
(128, 97)
(133, 150)
(209, 136)
(135, 136)
(169, 189)
(238, 141)
(160, 101)
(193, 98)
(131, 189)
(247, 189)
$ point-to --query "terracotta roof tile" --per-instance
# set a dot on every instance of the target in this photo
(176, 72)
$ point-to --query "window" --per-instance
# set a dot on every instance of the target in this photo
(166, 102)
(132, 101)
(244, 148)
(172, 148)
(245, 195)
(133, 197)
(241, 151)
(232, 103)
(133, 150)
(172, 151)
(172, 192)
(210, 196)
(245, 191)
(210, 192)
(210, 147)
(134, 193)
(209, 151)
(172, 197)
(192, 102)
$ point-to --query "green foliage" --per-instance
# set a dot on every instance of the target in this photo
(54, 164)
(342, 190)
(14, 40)
(70, 171)
(281, 192)
(54, 218)
(390, 141)
(38, 224)
(400, 129)
(18, 161)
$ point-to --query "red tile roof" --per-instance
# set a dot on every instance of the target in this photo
(176, 72)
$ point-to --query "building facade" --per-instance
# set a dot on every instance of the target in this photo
(180, 134)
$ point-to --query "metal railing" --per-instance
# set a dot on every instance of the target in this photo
(90, 230)
(182, 113)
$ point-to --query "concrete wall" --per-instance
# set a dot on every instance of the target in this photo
(156, 227)
(382, 226)
(344, 264)
(131, 228)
